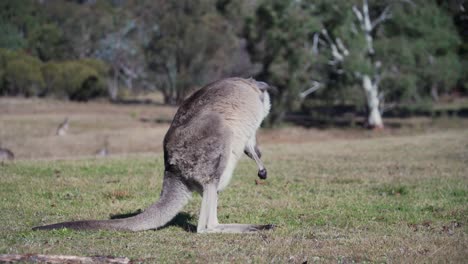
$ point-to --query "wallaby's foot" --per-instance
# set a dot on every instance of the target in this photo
(236, 228)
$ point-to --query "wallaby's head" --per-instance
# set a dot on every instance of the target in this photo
(263, 88)
(265, 98)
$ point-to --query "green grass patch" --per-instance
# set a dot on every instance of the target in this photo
(389, 199)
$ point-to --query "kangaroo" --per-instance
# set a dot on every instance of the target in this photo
(62, 128)
(209, 133)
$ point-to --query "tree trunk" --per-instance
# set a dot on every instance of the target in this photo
(113, 86)
(435, 92)
(374, 119)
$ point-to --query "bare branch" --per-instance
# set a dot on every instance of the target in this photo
(315, 86)
(358, 14)
(367, 26)
(335, 52)
(342, 47)
(410, 2)
(129, 72)
(327, 37)
(384, 106)
(315, 43)
(386, 14)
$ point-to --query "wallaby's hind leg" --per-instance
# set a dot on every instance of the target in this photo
(208, 219)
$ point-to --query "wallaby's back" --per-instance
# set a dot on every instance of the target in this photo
(206, 138)
(211, 124)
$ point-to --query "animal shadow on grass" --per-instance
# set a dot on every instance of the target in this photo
(181, 220)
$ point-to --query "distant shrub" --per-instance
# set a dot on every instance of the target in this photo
(20, 74)
(98, 65)
(79, 80)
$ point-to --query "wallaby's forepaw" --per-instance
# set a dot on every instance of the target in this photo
(262, 174)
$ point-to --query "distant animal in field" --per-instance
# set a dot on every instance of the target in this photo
(6, 154)
(62, 129)
(104, 151)
(208, 135)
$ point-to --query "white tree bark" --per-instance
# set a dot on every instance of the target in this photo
(339, 53)
(371, 89)
(315, 86)
(374, 119)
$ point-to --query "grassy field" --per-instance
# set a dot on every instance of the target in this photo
(336, 196)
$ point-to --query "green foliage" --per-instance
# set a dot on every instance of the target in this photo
(277, 38)
(21, 74)
(337, 199)
(76, 80)
(416, 48)
(47, 42)
(422, 41)
(23, 14)
(10, 37)
(191, 47)
(179, 46)
(17, 20)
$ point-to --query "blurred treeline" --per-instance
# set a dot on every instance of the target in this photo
(315, 52)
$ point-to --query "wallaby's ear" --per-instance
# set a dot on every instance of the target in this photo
(265, 87)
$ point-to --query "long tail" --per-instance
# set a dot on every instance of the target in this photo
(174, 197)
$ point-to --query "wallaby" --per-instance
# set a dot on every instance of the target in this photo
(6, 154)
(206, 138)
(104, 151)
(62, 128)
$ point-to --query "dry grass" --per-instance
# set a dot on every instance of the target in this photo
(28, 128)
(352, 196)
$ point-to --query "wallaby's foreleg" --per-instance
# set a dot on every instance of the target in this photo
(251, 150)
(208, 219)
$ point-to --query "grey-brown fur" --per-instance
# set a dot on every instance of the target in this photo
(62, 129)
(6, 154)
(209, 133)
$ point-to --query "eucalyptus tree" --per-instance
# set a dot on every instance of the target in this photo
(279, 40)
(398, 51)
(192, 44)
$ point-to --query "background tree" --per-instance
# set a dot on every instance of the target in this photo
(278, 38)
(191, 46)
(387, 47)
(357, 55)
(422, 51)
